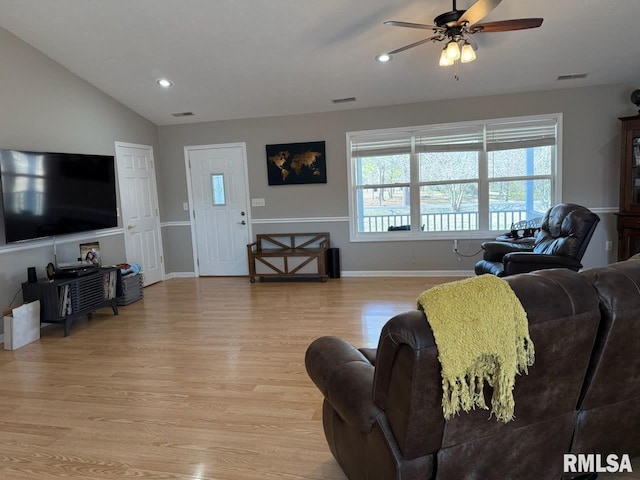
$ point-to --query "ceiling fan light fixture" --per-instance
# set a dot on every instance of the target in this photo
(452, 50)
(445, 61)
(467, 54)
(383, 58)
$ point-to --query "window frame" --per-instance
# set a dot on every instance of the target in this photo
(483, 180)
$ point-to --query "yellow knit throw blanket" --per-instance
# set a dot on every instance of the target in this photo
(482, 333)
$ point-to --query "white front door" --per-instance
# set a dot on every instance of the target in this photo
(139, 205)
(218, 198)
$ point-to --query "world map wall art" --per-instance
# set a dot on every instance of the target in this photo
(296, 163)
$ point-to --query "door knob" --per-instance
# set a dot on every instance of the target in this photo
(130, 227)
(242, 223)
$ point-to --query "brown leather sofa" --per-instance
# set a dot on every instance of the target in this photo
(382, 411)
(609, 416)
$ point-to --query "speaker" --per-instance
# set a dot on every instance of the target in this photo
(333, 262)
(31, 275)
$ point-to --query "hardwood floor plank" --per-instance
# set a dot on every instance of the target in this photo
(203, 379)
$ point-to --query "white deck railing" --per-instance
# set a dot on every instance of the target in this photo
(444, 222)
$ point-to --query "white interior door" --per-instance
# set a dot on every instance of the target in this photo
(220, 218)
(139, 205)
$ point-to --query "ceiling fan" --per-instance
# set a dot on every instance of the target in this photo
(456, 28)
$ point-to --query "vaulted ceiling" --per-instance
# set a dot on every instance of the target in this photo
(233, 59)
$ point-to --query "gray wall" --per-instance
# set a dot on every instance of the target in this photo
(45, 107)
(590, 170)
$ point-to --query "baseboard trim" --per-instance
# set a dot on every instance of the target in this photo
(171, 275)
(409, 273)
(368, 273)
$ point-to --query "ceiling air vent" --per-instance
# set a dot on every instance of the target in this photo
(572, 77)
(183, 114)
(344, 100)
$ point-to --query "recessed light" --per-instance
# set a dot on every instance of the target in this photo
(383, 57)
(163, 82)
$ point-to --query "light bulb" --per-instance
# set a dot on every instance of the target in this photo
(383, 57)
(163, 82)
(467, 55)
(453, 50)
(445, 61)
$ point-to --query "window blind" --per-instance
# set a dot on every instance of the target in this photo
(450, 140)
(380, 145)
(509, 136)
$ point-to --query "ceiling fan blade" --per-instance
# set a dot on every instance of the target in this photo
(507, 25)
(412, 25)
(478, 11)
(407, 47)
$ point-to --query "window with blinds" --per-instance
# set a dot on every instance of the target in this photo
(452, 181)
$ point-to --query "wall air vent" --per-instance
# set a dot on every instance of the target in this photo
(572, 77)
(183, 114)
(344, 100)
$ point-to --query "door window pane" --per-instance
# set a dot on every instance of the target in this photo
(217, 187)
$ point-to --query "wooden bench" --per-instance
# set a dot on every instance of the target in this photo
(287, 255)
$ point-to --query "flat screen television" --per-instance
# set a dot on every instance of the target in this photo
(46, 194)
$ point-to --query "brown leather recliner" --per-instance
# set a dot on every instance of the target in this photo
(382, 413)
(563, 238)
(609, 418)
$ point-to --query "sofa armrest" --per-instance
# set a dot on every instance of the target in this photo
(408, 384)
(495, 251)
(523, 262)
(345, 378)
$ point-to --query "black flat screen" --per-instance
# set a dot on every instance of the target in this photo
(46, 194)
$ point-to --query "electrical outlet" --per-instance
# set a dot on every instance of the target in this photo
(608, 245)
(185, 206)
(455, 245)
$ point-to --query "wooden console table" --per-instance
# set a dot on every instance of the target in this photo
(287, 255)
(66, 299)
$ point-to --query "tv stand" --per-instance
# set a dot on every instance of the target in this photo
(64, 300)
(74, 271)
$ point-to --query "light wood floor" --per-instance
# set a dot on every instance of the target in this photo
(203, 379)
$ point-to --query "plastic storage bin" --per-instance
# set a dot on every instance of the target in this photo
(132, 289)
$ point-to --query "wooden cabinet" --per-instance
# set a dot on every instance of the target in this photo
(63, 300)
(629, 215)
